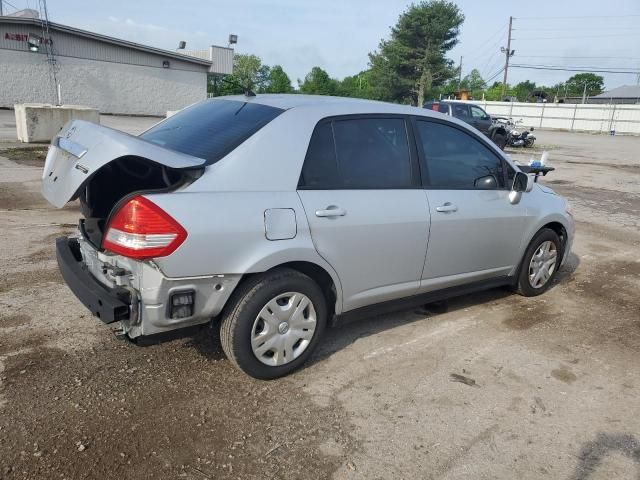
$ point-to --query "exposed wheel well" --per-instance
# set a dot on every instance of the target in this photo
(560, 231)
(318, 274)
(321, 277)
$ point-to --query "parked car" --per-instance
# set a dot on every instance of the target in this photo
(275, 214)
(473, 115)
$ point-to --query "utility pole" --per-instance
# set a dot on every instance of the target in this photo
(459, 73)
(1, 8)
(507, 53)
(584, 93)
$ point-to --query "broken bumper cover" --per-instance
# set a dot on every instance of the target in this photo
(108, 304)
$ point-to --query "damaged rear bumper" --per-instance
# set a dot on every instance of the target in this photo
(137, 293)
(108, 304)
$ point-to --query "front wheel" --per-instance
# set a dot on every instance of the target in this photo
(540, 263)
(273, 322)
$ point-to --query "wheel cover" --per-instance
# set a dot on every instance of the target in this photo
(543, 264)
(283, 329)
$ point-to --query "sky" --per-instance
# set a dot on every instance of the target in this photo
(337, 35)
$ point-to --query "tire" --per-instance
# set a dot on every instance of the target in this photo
(500, 140)
(529, 143)
(251, 316)
(529, 284)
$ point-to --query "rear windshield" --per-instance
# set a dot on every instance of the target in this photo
(212, 128)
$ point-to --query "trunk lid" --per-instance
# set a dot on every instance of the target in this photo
(82, 148)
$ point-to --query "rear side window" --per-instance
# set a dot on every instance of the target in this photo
(443, 108)
(320, 166)
(211, 129)
(455, 159)
(363, 153)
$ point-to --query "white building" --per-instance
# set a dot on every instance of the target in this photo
(110, 74)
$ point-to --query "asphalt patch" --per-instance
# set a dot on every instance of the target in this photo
(31, 157)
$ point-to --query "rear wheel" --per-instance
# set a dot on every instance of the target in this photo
(540, 263)
(273, 322)
(500, 140)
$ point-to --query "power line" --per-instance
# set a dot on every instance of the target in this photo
(499, 33)
(575, 66)
(575, 57)
(572, 29)
(581, 36)
(486, 68)
(595, 17)
(573, 69)
(486, 82)
(10, 4)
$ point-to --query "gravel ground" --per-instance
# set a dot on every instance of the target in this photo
(490, 385)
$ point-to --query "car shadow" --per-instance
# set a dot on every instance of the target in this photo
(345, 333)
(206, 338)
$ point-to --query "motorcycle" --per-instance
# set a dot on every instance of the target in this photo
(514, 137)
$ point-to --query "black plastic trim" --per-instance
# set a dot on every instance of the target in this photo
(424, 298)
(108, 304)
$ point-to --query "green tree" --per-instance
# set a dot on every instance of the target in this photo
(318, 82)
(412, 61)
(473, 81)
(278, 81)
(495, 92)
(523, 89)
(356, 86)
(248, 74)
(575, 85)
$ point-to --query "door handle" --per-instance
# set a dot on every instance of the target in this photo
(331, 211)
(447, 207)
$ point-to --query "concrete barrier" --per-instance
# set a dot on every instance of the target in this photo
(39, 122)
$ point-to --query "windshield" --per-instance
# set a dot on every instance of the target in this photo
(212, 128)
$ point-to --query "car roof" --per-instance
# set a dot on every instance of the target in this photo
(326, 102)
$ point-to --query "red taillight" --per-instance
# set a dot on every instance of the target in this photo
(141, 229)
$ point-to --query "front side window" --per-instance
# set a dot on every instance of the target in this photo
(363, 153)
(211, 129)
(457, 160)
(477, 112)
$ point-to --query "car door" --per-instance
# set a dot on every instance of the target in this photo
(366, 209)
(475, 231)
(480, 119)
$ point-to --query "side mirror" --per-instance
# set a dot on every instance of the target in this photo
(520, 182)
(487, 117)
(487, 182)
